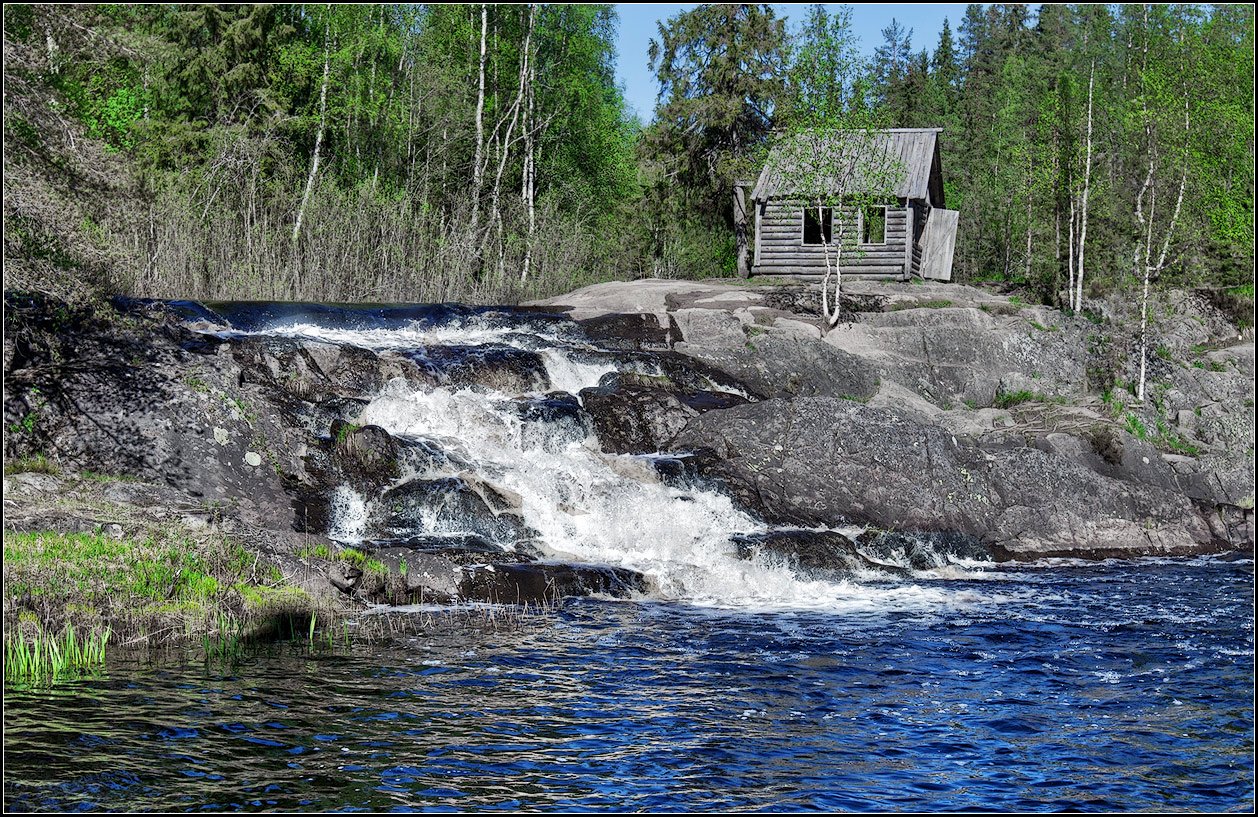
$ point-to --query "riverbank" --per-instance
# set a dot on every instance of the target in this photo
(175, 471)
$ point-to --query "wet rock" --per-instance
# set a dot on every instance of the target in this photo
(925, 550)
(503, 369)
(368, 456)
(423, 577)
(816, 553)
(546, 583)
(632, 416)
(314, 371)
(824, 462)
(551, 421)
(458, 548)
(631, 332)
(449, 505)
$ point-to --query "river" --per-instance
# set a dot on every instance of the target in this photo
(1118, 686)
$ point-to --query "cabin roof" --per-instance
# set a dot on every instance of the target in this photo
(847, 154)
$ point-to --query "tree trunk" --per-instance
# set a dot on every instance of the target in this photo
(832, 318)
(1029, 189)
(1077, 303)
(506, 141)
(529, 184)
(323, 109)
(477, 170)
(740, 230)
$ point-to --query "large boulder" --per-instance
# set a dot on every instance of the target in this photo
(632, 415)
(824, 461)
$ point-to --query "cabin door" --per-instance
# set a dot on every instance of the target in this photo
(938, 241)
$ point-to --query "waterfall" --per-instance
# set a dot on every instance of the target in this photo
(579, 503)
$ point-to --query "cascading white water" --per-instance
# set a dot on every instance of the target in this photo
(586, 505)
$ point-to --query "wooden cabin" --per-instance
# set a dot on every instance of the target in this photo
(886, 206)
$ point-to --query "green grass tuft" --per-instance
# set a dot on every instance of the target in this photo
(45, 659)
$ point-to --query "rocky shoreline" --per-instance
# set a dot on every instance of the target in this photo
(936, 413)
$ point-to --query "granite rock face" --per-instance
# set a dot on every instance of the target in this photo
(953, 411)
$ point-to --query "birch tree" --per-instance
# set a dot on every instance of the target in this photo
(323, 112)
(1163, 89)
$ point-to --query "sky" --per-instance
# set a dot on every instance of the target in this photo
(638, 24)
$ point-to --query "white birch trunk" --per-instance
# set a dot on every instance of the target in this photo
(323, 108)
(529, 188)
(832, 318)
(477, 169)
(1077, 303)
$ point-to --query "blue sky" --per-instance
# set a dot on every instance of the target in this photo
(638, 25)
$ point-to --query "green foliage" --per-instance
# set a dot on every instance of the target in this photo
(719, 68)
(319, 551)
(1006, 400)
(1135, 426)
(46, 659)
(214, 113)
(36, 464)
(361, 560)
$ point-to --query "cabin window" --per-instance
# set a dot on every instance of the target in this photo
(874, 225)
(818, 231)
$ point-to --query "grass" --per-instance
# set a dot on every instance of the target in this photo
(345, 430)
(934, 303)
(362, 561)
(1006, 399)
(197, 384)
(160, 589)
(1168, 440)
(44, 658)
(37, 464)
(319, 551)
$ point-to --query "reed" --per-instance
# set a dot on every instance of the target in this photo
(48, 658)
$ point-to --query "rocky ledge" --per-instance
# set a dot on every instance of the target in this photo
(947, 409)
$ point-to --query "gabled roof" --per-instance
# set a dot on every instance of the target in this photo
(905, 159)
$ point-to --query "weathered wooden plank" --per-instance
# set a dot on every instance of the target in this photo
(797, 222)
(908, 246)
(795, 217)
(820, 263)
(883, 272)
(938, 244)
(896, 237)
(786, 242)
(872, 258)
(799, 252)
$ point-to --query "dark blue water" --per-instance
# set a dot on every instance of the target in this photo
(1115, 686)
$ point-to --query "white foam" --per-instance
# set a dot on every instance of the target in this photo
(347, 512)
(587, 510)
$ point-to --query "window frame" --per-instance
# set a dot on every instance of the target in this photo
(803, 227)
(860, 224)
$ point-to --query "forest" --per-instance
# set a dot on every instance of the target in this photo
(485, 153)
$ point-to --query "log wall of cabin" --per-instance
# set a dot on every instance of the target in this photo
(921, 212)
(780, 248)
